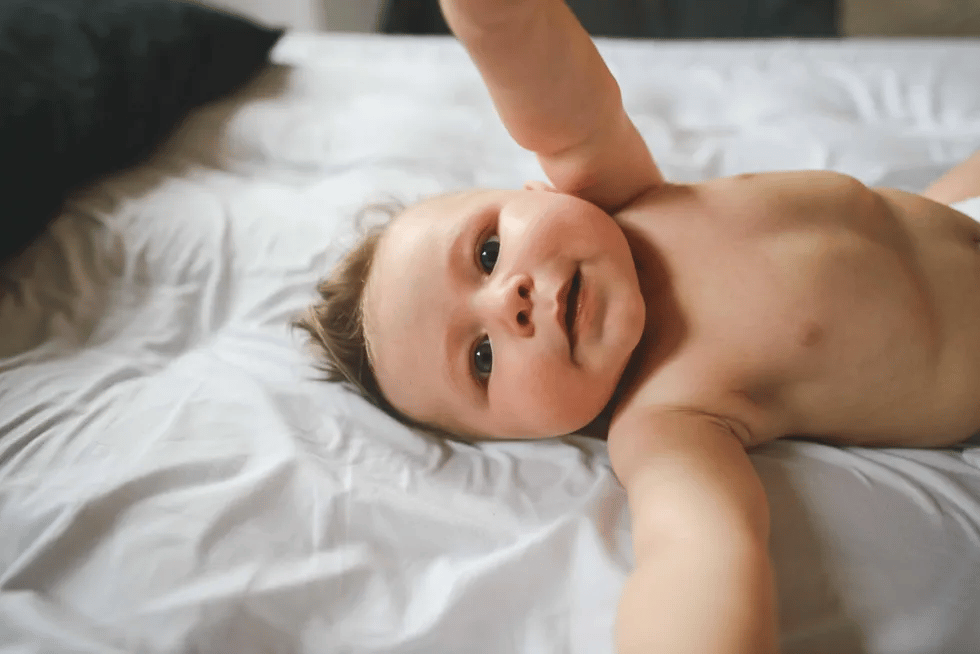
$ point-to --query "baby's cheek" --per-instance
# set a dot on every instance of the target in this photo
(529, 393)
(550, 399)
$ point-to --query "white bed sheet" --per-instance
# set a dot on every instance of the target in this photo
(172, 479)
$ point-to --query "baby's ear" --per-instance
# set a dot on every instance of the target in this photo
(534, 185)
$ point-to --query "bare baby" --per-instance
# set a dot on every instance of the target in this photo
(706, 319)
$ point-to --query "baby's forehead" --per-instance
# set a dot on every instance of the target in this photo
(448, 201)
(401, 332)
(414, 244)
(407, 259)
(429, 217)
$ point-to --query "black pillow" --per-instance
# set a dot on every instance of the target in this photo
(88, 87)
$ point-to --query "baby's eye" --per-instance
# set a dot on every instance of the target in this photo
(488, 253)
(483, 358)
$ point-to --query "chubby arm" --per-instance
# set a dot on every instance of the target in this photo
(960, 183)
(555, 96)
(703, 580)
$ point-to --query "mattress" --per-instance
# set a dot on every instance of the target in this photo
(174, 478)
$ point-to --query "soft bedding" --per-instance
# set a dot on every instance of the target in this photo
(174, 479)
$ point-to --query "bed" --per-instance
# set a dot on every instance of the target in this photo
(173, 478)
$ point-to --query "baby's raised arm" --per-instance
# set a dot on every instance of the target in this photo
(703, 581)
(556, 97)
(962, 182)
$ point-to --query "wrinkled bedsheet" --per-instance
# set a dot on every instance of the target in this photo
(174, 479)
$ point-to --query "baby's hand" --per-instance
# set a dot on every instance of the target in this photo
(960, 183)
(535, 185)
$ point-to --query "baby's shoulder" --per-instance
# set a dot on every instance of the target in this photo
(742, 404)
(683, 465)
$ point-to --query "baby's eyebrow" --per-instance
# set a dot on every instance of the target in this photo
(455, 357)
(455, 348)
(458, 248)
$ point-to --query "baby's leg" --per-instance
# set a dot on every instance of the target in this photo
(960, 183)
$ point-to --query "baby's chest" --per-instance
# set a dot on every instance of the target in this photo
(789, 295)
(784, 326)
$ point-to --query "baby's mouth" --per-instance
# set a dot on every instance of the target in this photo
(571, 307)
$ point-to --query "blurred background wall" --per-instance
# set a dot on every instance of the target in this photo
(658, 18)
(663, 18)
(910, 17)
(335, 15)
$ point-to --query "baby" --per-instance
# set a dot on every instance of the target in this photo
(703, 319)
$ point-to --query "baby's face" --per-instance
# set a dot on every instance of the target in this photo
(503, 314)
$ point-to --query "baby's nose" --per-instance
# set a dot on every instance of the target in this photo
(508, 304)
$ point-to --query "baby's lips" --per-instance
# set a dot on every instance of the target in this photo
(565, 310)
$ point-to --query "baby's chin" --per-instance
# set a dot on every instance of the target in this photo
(582, 416)
(554, 429)
(553, 415)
